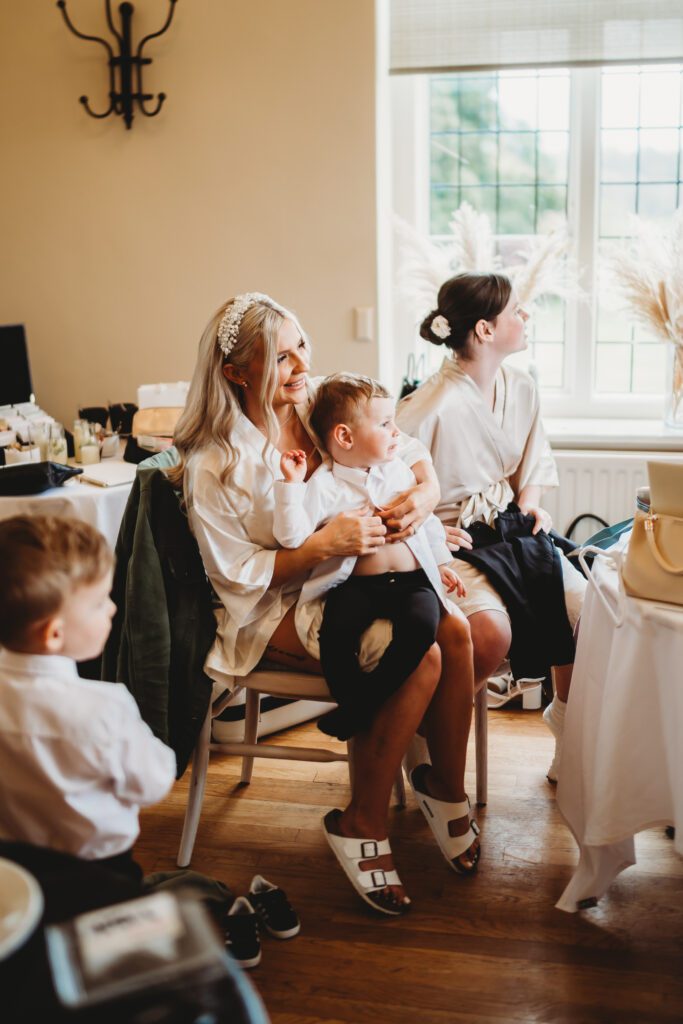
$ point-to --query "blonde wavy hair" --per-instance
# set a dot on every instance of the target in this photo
(213, 402)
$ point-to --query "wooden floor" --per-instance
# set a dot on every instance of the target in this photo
(491, 948)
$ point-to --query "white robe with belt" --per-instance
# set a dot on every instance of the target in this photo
(483, 457)
(233, 526)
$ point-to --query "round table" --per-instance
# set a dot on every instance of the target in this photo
(621, 769)
(102, 507)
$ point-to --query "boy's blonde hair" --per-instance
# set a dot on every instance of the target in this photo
(340, 398)
(43, 559)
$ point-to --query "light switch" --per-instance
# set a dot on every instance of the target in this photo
(364, 323)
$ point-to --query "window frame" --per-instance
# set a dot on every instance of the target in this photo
(409, 103)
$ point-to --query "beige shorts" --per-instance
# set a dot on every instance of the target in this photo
(482, 597)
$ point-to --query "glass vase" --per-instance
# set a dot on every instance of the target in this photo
(673, 408)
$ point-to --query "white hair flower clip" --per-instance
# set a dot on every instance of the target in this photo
(229, 327)
(440, 327)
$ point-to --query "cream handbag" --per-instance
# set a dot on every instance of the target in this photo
(653, 567)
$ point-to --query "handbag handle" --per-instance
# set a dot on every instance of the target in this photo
(659, 558)
(415, 367)
(616, 558)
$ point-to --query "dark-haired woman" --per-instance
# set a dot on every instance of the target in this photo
(481, 421)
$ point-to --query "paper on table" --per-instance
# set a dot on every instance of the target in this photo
(109, 474)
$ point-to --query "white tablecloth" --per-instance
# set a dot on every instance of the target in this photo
(102, 507)
(622, 759)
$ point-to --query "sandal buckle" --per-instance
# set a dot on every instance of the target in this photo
(371, 846)
(379, 879)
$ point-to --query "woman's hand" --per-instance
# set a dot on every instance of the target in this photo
(452, 581)
(353, 533)
(528, 505)
(543, 519)
(407, 511)
(457, 538)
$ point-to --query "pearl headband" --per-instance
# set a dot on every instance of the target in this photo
(229, 327)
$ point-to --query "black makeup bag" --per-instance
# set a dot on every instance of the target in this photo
(34, 477)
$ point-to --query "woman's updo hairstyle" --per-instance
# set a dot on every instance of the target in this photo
(463, 301)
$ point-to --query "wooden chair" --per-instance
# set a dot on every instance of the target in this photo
(299, 686)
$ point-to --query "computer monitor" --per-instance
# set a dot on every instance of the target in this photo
(15, 372)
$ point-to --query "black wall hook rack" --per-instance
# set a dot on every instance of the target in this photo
(123, 99)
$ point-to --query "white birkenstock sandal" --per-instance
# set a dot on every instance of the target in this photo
(438, 814)
(369, 885)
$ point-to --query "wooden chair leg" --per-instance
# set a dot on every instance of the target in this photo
(352, 767)
(195, 797)
(251, 717)
(400, 790)
(481, 744)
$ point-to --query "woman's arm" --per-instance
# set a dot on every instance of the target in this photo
(410, 508)
(348, 534)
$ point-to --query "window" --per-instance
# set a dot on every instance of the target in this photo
(529, 147)
(640, 172)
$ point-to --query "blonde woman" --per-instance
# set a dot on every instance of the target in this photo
(248, 404)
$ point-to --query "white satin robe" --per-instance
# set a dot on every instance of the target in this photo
(483, 458)
(234, 532)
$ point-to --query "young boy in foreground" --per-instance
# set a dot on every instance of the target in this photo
(76, 760)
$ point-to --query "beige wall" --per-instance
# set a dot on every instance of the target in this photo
(258, 174)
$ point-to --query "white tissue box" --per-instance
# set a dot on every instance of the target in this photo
(163, 396)
(14, 455)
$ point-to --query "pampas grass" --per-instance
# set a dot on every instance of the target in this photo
(472, 246)
(543, 268)
(647, 273)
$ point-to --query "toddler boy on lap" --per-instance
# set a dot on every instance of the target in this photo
(402, 582)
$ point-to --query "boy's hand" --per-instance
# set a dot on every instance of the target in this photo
(452, 581)
(293, 466)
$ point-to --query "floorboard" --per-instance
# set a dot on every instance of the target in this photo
(487, 949)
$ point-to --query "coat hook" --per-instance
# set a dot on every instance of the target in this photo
(123, 99)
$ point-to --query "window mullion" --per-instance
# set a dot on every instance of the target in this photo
(583, 212)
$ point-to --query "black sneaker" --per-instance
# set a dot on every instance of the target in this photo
(242, 937)
(273, 908)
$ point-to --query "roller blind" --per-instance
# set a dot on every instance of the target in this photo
(438, 35)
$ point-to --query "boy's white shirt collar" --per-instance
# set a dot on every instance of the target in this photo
(355, 474)
(38, 664)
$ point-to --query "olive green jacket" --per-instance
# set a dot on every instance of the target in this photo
(164, 624)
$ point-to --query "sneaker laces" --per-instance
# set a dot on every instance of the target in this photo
(272, 903)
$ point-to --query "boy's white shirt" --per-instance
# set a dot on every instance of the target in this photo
(76, 758)
(300, 508)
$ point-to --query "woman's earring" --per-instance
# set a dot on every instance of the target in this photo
(243, 383)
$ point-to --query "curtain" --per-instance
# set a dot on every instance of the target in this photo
(438, 35)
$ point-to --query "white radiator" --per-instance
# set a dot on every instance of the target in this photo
(601, 482)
